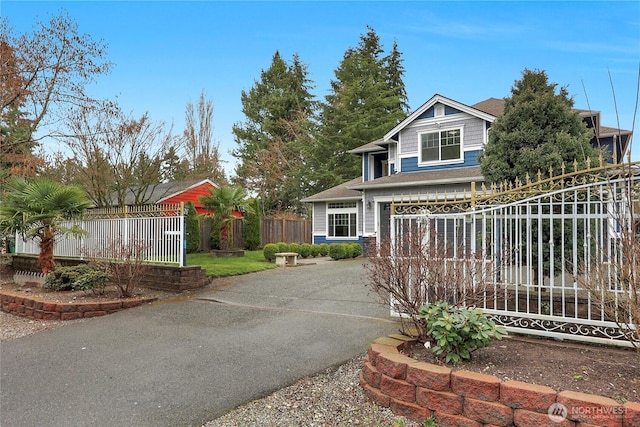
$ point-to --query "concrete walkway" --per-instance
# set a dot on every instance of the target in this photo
(185, 361)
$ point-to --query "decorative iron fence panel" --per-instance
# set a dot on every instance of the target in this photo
(534, 265)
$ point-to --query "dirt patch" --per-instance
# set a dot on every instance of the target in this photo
(586, 368)
(110, 293)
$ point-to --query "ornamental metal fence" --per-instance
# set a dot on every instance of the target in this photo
(557, 258)
(157, 233)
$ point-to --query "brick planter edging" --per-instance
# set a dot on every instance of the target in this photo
(39, 309)
(419, 390)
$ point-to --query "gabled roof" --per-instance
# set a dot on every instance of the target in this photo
(339, 192)
(377, 145)
(157, 193)
(430, 103)
(179, 187)
(414, 179)
(493, 106)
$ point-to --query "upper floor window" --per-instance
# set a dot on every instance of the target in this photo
(441, 146)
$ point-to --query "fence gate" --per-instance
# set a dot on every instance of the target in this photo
(557, 258)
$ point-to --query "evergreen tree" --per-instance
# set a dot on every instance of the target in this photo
(192, 228)
(367, 99)
(251, 231)
(280, 115)
(538, 130)
(16, 145)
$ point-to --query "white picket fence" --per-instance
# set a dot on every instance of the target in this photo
(161, 238)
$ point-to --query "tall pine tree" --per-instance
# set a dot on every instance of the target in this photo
(367, 99)
(280, 117)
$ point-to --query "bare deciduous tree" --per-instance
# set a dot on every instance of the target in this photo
(121, 157)
(50, 68)
(202, 150)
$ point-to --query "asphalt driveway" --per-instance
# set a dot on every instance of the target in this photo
(185, 361)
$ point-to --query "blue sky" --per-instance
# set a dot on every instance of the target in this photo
(165, 53)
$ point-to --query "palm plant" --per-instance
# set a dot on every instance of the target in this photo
(223, 202)
(37, 209)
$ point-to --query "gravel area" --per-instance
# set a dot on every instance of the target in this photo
(331, 398)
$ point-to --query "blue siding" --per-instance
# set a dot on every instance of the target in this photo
(430, 113)
(366, 168)
(410, 164)
(323, 239)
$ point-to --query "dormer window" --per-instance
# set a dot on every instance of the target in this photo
(441, 146)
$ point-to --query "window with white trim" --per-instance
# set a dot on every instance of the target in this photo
(442, 145)
(342, 219)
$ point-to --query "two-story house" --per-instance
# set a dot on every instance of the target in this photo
(430, 155)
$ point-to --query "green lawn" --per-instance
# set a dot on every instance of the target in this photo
(230, 266)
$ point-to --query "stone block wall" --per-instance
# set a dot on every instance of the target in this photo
(419, 390)
(34, 308)
(165, 277)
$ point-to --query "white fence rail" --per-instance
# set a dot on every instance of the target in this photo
(159, 237)
(535, 264)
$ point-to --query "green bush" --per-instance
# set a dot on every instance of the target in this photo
(354, 249)
(79, 277)
(315, 250)
(270, 250)
(294, 247)
(337, 251)
(324, 249)
(456, 332)
(305, 250)
(283, 247)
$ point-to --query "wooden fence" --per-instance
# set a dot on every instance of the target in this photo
(273, 231)
(285, 230)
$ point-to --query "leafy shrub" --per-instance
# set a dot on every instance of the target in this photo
(294, 247)
(456, 332)
(79, 277)
(283, 247)
(269, 251)
(324, 249)
(354, 249)
(315, 250)
(305, 250)
(337, 251)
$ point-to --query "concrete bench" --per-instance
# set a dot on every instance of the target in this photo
(284, 259)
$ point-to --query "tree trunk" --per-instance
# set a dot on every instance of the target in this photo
(45, 258)
(224, 235)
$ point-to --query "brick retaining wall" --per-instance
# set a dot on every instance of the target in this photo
(419, 390)
(34, 308)
(165, 277)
